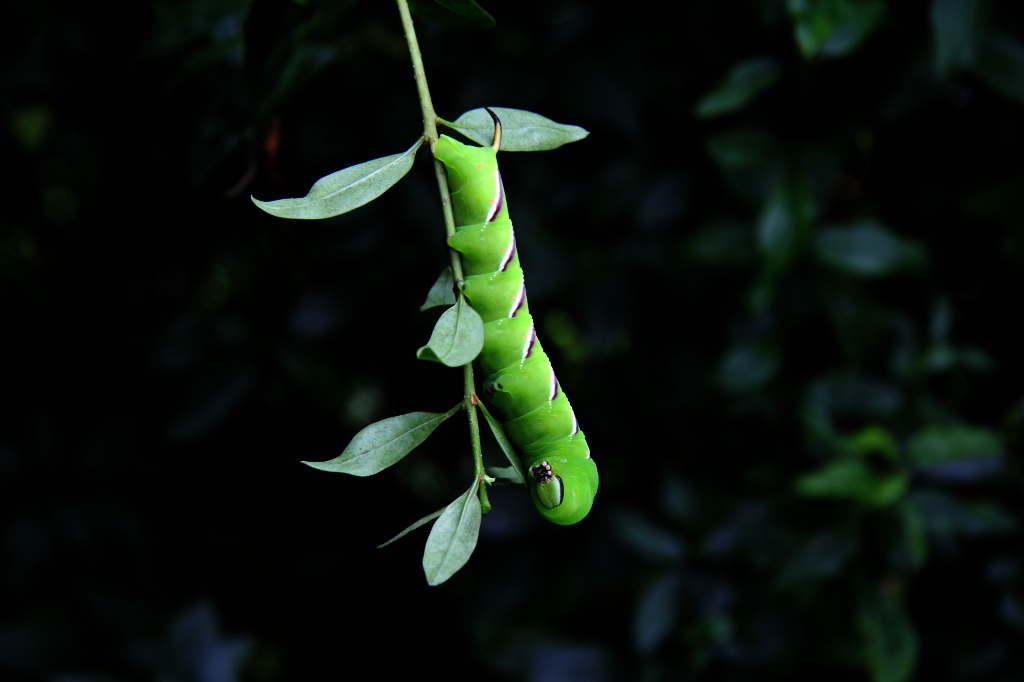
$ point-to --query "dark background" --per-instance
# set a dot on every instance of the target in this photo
(789, 328)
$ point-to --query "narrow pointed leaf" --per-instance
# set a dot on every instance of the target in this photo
(645, 537)
(956, 26)
(915, 532)
(833, 28)
(784, 223)
(957, 453)
(656, 613)
(505, 475)
(457, 14)
(383, 443)
(426, 519)
(890, 641)
(521, 131)
(453, 537)
(499, 434)
(866, 249)
(458, 337)
(948, 517)
(346, 189)
(847, 478)
(443, 291)
(1001, 65)
(744, 82)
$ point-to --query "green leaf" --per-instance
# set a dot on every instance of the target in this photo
(458, 336)
(853, 479)
(946, 443)
(742, 149)
(505, 475)
(833, 28)
(890, 643)
(31, 124)
(948, 517)
(915, 528)
(998, 202)
(656, 612)
(383, 443)
(647, 539)
(721, 244)
(521, 131)
(955, 25)
(1001, 65)
(453, 537)
(426, 519)
(499, 435)
(748, 366)
(956, 451)
(346, 189)
(784, 223)
(443, 291)
(872, 439)
(820, 557)
(866, 249)
(463, 15)
(745, 81)
(750, 159)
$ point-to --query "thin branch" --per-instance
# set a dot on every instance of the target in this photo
(430, 130)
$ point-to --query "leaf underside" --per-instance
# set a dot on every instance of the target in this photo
(413, 526)
(499, 434)
(346, 189)
(384, 443)
(744, 82)
(453, 537)
(458, 337)
(442, 292)
(504, 475)
(521, 131)
(465, 15)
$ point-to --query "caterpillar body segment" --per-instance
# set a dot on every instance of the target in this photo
(517, 375)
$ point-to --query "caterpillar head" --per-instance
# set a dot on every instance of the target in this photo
(563, 488)
(549, 487)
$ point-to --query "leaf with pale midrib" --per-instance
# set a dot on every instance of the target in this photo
(499, 435)
(458, 337)
(521, 131)
(442, 292)
(346, 189)
(453, 537)
(456, 14)
(745, 81)
(383, 443)
(413, 526)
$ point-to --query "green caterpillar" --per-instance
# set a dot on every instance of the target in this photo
(519, 381)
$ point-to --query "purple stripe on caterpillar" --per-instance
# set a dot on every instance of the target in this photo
(497, 201)
(519, 299)
(510, 251)
(531, 339)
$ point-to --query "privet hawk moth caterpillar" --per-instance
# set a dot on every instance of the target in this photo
(519, 380)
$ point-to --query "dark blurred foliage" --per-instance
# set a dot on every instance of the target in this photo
(780, 281)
